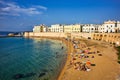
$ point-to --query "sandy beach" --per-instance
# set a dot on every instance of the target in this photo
(105, 65)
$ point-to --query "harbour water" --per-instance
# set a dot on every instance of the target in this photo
(33, 58)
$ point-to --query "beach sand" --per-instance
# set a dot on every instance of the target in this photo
(106, 66)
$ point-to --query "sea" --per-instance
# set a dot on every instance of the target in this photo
(31, 58)
(5, 33)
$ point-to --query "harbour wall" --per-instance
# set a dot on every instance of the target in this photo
(45, 34)
(53, 34)
(107, 37)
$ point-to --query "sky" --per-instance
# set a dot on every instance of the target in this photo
(22, 15)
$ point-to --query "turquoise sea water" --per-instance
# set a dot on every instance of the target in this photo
(20, 55)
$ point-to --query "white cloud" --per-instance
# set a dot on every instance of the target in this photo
(16, 10)
(41, 7)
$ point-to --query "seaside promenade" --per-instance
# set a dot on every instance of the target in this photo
(101, 56)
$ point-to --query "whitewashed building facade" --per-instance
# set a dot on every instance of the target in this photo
(57, 28)
(110, 27)
(90, 28)
(117, 29)
(40, 28)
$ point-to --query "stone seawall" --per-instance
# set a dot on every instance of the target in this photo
(61, 35)
(45, 34)
(81, 35)
(107, 37)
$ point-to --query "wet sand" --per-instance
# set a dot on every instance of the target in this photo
(70, 49)
(106, 66)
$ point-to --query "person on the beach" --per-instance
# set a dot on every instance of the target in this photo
(88, 63)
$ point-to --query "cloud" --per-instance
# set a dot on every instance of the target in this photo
(16, 10)
(41, 7)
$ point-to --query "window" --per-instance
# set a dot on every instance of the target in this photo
(107, 31)
(111, 31)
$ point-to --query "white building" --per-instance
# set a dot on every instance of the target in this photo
(40, 28)
(107, 27)
(49, 29)
(117, 29)
(57, 28)
(36, 29)
(110, 27)
(90, 28)
(101, 28)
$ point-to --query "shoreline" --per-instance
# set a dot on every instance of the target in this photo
(69, 47)
(108, 71)
(106, 66)
(67, 43)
